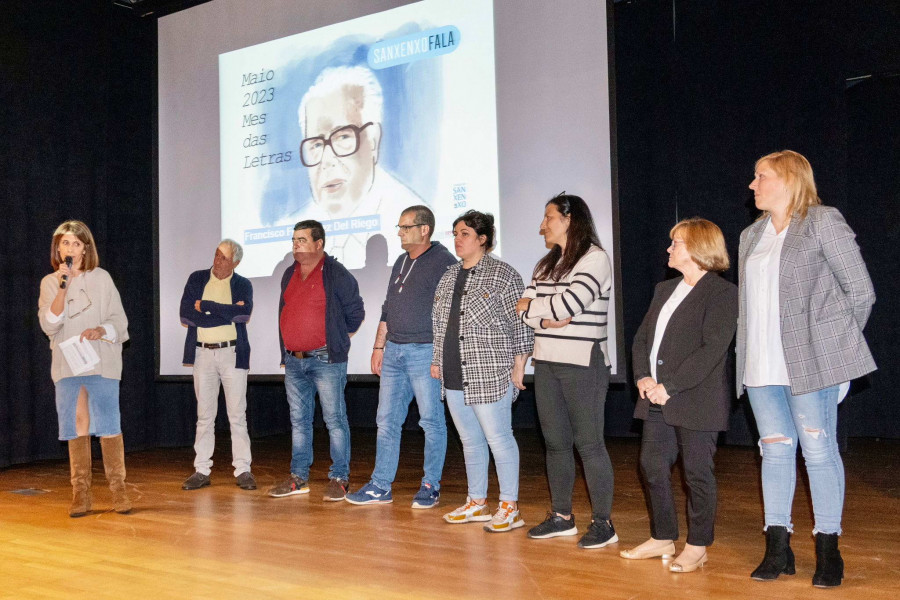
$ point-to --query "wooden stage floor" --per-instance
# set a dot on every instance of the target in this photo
(222, 542)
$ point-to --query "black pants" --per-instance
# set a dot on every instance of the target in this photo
(660, 446)
(570, 404)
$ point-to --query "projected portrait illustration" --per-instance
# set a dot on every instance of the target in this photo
(345, 145)
(351, 123)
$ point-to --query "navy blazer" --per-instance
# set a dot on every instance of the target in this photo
(693, 353)
(214, 314)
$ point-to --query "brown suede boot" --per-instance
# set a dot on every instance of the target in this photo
(114, 465)
(80, 469)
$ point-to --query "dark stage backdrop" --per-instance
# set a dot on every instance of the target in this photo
(702, 90)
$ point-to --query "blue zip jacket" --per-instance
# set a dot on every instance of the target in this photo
(344, 309)
(214, 314)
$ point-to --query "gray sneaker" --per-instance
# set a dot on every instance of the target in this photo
(290, 487)
(337, 489)
(195, 481)
(245, 481)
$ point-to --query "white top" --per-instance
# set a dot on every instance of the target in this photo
(678, 295)
(765, 354)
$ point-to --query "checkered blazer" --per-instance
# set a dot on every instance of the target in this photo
(491, 333)
(826, 296)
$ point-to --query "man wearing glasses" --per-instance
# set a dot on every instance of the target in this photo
(402, 356)
(341, 120)
(320, 308)
(215, 308)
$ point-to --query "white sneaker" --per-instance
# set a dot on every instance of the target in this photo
(470, 511)
(506, 518)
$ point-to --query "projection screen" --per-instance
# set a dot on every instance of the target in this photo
(493, 105)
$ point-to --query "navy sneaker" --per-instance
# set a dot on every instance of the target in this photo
(426, 497)
(369, 494)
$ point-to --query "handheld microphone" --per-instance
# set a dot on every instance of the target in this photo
(65, 278)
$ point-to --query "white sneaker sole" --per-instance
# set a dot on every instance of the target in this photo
(553, 534)
(293, 493)
(513, 525)
(612, 540)
(469, 519)
(423, 506)
(367, 502)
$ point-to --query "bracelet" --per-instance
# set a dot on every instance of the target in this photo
(378, 348)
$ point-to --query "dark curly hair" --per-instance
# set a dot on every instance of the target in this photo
(482, 223)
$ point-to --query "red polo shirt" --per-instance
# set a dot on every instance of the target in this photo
(303, 316)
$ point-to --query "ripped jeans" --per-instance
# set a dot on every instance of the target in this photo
(782, 420)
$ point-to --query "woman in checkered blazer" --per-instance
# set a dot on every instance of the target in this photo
(805, 296)
(480, 348)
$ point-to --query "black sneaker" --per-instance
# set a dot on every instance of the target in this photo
(195, 481)
(553, 526)
(599, 534)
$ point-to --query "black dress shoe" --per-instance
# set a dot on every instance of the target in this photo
(195, 481)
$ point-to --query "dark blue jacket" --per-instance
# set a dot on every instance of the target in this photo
(344, 310)
(214, 314)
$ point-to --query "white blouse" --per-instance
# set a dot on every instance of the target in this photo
(765, 363)
(665, 313)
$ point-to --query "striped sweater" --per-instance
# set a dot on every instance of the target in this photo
(582, 294)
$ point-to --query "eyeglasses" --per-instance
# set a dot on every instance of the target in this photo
(676, 242)
(406, 228)
(343, 142)
(83, 303)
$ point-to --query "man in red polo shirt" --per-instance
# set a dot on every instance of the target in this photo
(320, 308)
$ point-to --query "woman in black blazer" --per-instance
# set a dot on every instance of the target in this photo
(679, 357)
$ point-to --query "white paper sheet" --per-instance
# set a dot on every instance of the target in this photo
(80, 355)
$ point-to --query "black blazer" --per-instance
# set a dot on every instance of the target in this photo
(693, 353)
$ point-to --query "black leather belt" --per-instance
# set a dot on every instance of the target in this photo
(323, 351)
(227, 344)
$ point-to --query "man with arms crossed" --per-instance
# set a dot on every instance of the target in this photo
(402, 357)
(215, 307)
(320, 308)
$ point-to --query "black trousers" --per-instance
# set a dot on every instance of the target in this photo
(570, 403)
(660, 447)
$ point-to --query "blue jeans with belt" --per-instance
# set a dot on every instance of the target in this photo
(303, 377)
(406, 372)
(784, 421)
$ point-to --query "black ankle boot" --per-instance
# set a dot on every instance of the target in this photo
(779, 558)
(829, 564)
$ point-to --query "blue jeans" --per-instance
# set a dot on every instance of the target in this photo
(811, 419)
(302, 378)
(487, 425)
(406, 372)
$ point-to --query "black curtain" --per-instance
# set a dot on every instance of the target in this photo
(703, 88)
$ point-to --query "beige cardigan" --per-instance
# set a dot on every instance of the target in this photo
(96, 288)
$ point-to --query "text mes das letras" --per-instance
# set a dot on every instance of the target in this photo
(254, 98)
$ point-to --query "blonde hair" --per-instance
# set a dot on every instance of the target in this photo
(80, 231)
(704, 242)
(798, 177)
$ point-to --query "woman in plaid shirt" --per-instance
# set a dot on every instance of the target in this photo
(480, 348)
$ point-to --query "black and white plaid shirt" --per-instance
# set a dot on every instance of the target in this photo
(490, 333)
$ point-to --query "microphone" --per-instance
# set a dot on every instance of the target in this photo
(65, 278)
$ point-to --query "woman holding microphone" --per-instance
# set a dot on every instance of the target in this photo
(79, 300)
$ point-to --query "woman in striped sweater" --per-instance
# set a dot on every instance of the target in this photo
(566, 304)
